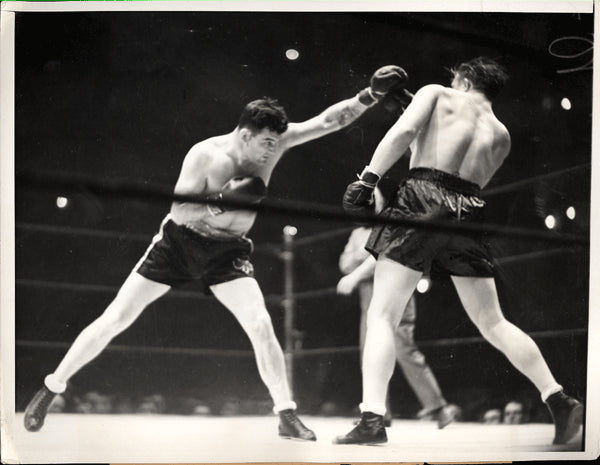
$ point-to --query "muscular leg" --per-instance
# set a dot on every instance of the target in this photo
(480, 299)
(135, 294)
(244, 299)
(413, 363)
(393, 286)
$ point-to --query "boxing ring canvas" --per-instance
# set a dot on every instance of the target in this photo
(101, 101)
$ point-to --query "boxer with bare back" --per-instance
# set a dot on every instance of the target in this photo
(457, 144)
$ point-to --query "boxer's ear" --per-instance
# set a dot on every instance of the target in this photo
(245, 134)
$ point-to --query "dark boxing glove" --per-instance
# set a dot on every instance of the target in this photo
(251, 189)
(384, 79)
(397, 99)
(359, 198)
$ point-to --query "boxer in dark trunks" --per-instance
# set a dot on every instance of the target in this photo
(457, 144)
(207, 242)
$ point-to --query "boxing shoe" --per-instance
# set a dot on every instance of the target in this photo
(290, 427)
(567, 414)
(36, 410)
(446, 415)
(370, 430)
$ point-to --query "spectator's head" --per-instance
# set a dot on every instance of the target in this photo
(152, 404)
(492, 416)
(514, 413)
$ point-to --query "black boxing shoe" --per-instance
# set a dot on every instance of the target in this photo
(567, 414)
(36, 410)
(370, 430)
(290, 427)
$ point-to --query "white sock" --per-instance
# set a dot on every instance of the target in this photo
(550, 390)
(56, 386)
(378, 409)
(284, 406)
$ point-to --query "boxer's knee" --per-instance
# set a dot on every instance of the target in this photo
(258, 325)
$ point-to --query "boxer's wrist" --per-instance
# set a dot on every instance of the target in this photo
(369, 178)
(367, 97)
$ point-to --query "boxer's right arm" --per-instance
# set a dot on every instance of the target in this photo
(398, 139)
(192, 181)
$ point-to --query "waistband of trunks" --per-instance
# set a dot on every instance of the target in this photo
(446, 180)
(204, 231)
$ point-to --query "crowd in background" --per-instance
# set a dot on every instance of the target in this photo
(512, 412)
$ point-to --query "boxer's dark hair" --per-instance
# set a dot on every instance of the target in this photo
(264, 113)
(485, 75)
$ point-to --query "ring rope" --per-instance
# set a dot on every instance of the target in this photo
(304, 209)
(274, 299)
(297, 352)
(119, 235)
(525, 182)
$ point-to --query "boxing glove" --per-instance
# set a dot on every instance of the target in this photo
(382, 80)
(397, 99)
(359, 197)
(249, 188)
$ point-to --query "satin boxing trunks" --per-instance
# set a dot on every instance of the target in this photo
(179, 255)
(429, 194)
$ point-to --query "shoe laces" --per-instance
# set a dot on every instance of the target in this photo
(290, 416)
(46, 398)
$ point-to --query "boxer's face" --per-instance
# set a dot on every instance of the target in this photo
(261, 146)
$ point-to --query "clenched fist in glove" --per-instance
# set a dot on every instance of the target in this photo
(384, 79)
(359, 196)
(250, 188)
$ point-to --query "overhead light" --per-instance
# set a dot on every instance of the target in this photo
(565, 103)
(62, 202)
(292, 54)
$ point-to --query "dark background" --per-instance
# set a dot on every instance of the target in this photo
(123, 96)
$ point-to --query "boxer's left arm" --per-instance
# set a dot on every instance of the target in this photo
(332, 119)
(345, 112)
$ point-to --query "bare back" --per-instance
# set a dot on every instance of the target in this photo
(462, 136)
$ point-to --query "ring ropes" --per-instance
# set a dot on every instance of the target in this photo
(301, 209)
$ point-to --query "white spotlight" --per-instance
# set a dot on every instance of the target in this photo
(292, 54)
(571, 213)
(565, 103)
(550, 222)
(62, 202)
(423, 285)
(290, 230)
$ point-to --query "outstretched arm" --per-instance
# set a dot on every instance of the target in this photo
(332, 119)
(345, 112)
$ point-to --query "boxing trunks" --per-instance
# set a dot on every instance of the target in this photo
(179, 255)
(429, 194)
